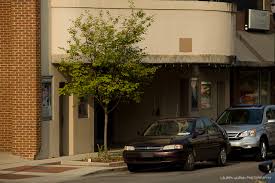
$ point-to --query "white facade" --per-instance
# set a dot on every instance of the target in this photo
(206, 23)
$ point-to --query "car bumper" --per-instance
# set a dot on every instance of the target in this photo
(245, 143)
(158, 157)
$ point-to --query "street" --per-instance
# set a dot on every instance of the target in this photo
(235, 171)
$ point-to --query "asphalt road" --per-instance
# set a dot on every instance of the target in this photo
(236, 171)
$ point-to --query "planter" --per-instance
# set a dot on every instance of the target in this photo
(97, 164)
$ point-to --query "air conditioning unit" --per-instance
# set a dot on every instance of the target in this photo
(258, 20)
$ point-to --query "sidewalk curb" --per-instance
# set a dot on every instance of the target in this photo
(118, 169)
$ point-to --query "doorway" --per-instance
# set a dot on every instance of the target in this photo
(63, 123)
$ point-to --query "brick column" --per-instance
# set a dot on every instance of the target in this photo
(5, 73)
(26, 77)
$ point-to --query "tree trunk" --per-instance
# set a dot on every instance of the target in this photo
(105, 127)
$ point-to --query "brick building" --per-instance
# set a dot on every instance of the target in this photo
(20, 77)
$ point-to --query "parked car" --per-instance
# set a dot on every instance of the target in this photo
(178, 141)
(267, 168)
(250, 128)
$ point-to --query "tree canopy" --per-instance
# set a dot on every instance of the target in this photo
(104, 59)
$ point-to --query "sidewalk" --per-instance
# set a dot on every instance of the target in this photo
(15, 169)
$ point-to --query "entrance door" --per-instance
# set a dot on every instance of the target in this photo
(220, 97)
(63, 124)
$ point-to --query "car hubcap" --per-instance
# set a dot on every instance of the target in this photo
(223, 156)
(263, 150)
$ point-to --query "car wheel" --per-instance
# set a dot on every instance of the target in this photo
(262, 152)
(222, 157)
(189, 164)
(132, 168)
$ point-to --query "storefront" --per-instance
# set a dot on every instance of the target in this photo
(252, 86)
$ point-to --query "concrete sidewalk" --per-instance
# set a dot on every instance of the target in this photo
(16, 169)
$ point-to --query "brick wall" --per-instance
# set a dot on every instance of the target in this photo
(20, 77)
(5, 72)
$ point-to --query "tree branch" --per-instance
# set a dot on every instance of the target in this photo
(100, 103)
(118, 101)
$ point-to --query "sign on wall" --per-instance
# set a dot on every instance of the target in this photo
(47, 98)
(206, 94)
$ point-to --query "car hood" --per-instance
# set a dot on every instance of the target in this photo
(147, 141)
(238, 128)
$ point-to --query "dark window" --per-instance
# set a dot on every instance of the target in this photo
(83, 107)
(270, 114)
(169, 128)
(251, 4)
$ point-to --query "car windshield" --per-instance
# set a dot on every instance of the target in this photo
(241, 117)
(169, 128)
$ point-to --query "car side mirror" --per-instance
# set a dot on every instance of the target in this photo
(266, 167)
(271, 120)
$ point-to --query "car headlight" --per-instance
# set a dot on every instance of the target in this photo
(129, 148)
(172, 147)
(248, 133)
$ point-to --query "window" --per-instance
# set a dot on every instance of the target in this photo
(206, 94)
(169, 128)
(249, 87)
(252, 4)
(83, 107)
(270, 114)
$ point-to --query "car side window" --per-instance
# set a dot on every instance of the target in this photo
(200, 125)
(210, 127)
(270, 114)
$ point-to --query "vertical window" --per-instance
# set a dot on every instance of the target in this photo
(194, 93)
(265, 87)
(206, 94)
(83, 107)
(46, 99)
(249, 87)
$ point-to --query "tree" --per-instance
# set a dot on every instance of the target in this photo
(104, 59)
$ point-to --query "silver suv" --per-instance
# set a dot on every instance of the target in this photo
(250, 128)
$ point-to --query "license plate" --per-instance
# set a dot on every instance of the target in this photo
(146, 155)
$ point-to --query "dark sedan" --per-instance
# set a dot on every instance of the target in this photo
(178, 141)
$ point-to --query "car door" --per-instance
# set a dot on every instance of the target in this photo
(200, 141)
(215, 139)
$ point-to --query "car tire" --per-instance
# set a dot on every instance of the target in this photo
(222, 157)
(189, 164)
(132, 168)
(261, 153)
